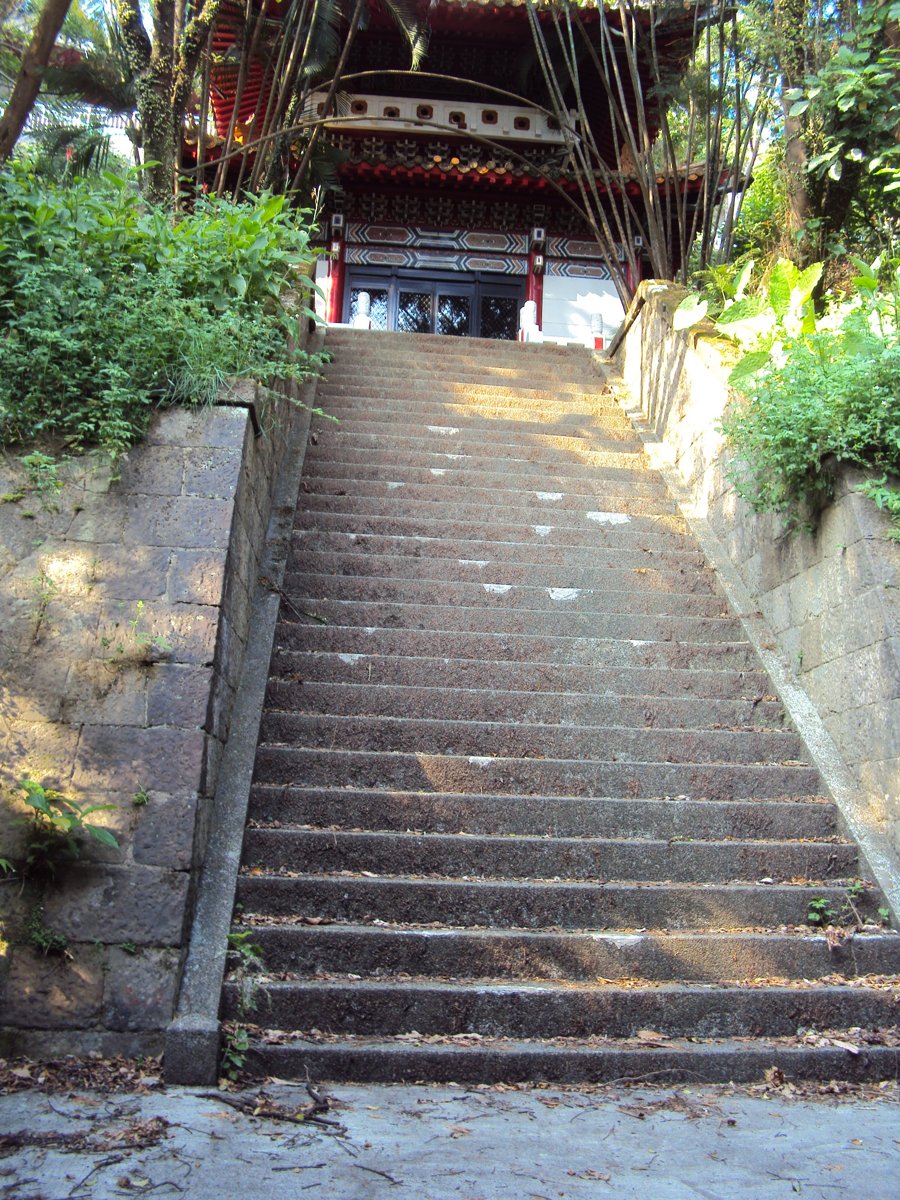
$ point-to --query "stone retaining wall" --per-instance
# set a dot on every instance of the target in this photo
(124, 614)
(830, 599)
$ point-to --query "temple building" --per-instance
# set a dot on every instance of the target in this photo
(457, 203)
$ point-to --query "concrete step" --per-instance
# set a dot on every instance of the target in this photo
(545, 816)
(601, 534)
(391, 384)
(538, 547)
(681, 582)
(535, 677)
(529, 594)
(480, 457)
(475, 1060)
(600, 448)
(494, 616)
(549, 1011)
(660, 530)
(444, 478)
(349, 401)
(446, 490)
(430, 347)
(582, 744)
(612, 433)
(468, 855)
(515, 648)
(530, 904)
(541, 708)
(485, 470)
(376, 953)
(420, 771)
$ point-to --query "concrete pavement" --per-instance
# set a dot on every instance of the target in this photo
(450, 1143)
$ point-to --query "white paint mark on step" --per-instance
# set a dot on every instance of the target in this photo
(549, 495)
(606, 518)
(621, 941)
(444, 430)
(542, 530)
(473, 562)
(500, 588)
(457, 456)
(480, 762)
(637, 642)
(438, 471)
(563, 593)
(392, 484)
(350, 659)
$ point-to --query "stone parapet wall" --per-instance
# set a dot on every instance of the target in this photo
(124, 614)
(831, 599)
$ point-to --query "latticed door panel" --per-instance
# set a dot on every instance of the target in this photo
(414, 312)
(499, 317)
(453, 315)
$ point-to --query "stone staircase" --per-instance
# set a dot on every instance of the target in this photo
(523, 806)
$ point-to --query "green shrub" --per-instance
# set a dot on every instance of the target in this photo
(109, 309)
(816, 391)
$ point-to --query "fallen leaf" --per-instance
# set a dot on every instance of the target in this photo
(848, 1046)
(458, 1131)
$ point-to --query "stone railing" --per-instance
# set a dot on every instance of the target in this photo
(829, 600)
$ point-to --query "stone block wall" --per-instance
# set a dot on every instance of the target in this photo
(124, 614)
(831, 599)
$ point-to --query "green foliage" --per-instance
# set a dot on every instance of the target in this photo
(43, 477)
(817, 391)
(247, 964)
(234, 1051)
(41, 938)
(821, 911)
(43, 589)
(848, 910)
(55, 829)
(762, 217)
(855, 94)
(109, 309)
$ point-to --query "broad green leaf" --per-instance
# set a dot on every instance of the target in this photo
(741, 310)
(806, 281)
(836, 170)
(272, 208)
(691, 310)
(798, 108)
(863, 267)
(99, 834)
(740, 284)
(780, 285)
(749, 365)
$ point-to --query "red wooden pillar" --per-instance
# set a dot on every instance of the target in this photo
(534, 283)
(336, 271)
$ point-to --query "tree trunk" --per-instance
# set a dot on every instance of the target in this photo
(28, 81)
(791, 23)
(159, 131)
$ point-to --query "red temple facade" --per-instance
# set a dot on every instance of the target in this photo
(448, 220)
(457, 204)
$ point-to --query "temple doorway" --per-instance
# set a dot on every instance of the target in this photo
(451, 304)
